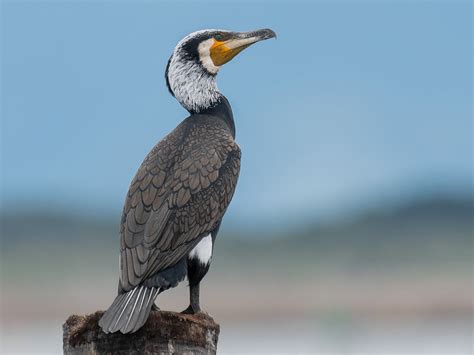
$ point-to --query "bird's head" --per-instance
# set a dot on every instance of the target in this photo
(196, 59)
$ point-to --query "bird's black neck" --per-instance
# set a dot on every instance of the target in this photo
(223, 111)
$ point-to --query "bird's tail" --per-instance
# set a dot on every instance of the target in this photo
(129, 311)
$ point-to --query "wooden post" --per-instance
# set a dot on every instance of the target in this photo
(163, 333)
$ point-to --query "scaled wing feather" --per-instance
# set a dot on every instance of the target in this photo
(178, 196)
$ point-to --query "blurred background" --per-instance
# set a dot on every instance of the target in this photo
(351, 228)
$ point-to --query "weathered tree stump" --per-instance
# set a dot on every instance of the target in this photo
(163, 333)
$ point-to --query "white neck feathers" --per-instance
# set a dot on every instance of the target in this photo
(192, 82)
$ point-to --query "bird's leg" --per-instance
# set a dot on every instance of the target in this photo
(194, 306)
(194, 298)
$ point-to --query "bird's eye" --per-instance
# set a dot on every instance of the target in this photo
(218, 37)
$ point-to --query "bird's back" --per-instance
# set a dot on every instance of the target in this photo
(178, 196)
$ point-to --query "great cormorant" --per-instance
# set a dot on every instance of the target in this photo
(177, 199)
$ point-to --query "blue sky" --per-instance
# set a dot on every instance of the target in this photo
(354, 103)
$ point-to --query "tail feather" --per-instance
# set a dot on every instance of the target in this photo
(147, 300)
(129, 311)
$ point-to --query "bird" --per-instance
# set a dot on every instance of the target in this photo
(180, 193)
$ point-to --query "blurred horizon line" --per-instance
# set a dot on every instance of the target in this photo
(391, 205)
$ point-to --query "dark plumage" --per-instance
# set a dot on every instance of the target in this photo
(178, 195)
(177, 198)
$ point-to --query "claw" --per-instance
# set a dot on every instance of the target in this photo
(192, 310)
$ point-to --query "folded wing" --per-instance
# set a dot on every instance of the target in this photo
(178, 196)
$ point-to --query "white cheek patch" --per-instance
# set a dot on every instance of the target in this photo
(204, 50)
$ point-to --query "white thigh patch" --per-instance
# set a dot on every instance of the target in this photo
(202, 251)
